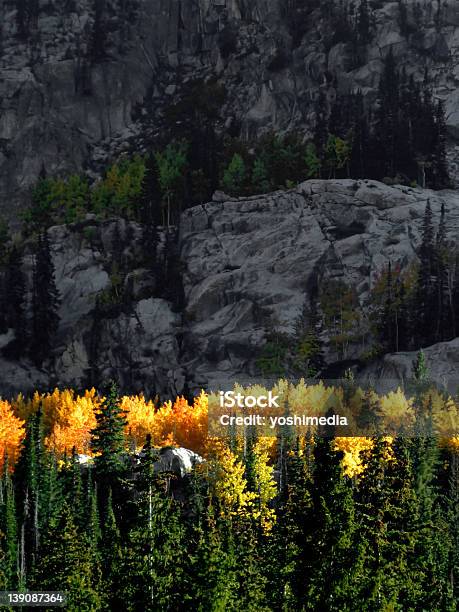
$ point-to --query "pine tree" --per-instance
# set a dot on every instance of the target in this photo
(110, 546)
(153, 557)
(75, 489)
(425, 291)
(29, 478)
(15, 286)
(45, 303)
(432, 544)
(214, 570)
(452, 509)
(443, 318)
(107, 441)
(387, 124)
(8, 526)
(66, 564)
(293, 534)
(388, 524)
(234, 176)
(440, 175)
(260, 180)
(334, 573)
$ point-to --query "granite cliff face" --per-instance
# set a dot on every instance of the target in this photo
(70, 101)
(240, 257)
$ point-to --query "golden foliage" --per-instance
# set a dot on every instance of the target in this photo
(228, 484)
(68, 419)
(352, 448)
(12, 432)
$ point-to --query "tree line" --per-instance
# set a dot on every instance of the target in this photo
(242, 531)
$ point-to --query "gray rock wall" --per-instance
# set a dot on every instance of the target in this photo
(249, 264)
(60, 111)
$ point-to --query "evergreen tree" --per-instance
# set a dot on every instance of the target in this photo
(432, 546)
(443, 314)
(8, 526)
(66, 564)
(387, 122)
(107, 441)
(425, 292)
(214, 565)
(260, 180)
(440, 175)
(15, 286)
(153, 557)
(29, 481)
(334, 578)
(388, 524)
(293, 535)
(45, 303)
(110, 546)
(452, 510)
(235, 175)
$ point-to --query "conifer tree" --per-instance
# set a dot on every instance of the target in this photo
(387, 124)
(443, 318)
(452, 509)
(154, 557)
(334, 570)
(214, 564)
(388, 524)
(293, 535)
(8, 526)
(425, 293)
(432, 543)
(29, 477)
(110, 546)
(107, 441)
(234, 176)
(66, 564)
(440, 178)
(45, 303)
(15, 287)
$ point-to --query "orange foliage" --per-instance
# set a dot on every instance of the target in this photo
(68, 419)
(74, 418)
(12, 432)
(174, 424)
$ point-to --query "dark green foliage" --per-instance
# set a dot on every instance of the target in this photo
(15, 307)
(334, 578)
(66, 564)
(386, 540)
(108, 440)
(45, 303)
(417, 312)
(9, 529)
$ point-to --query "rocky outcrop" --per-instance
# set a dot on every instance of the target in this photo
(442, 361)
(178, 461)
(249, 265)
(66, 106)
(266, 253)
